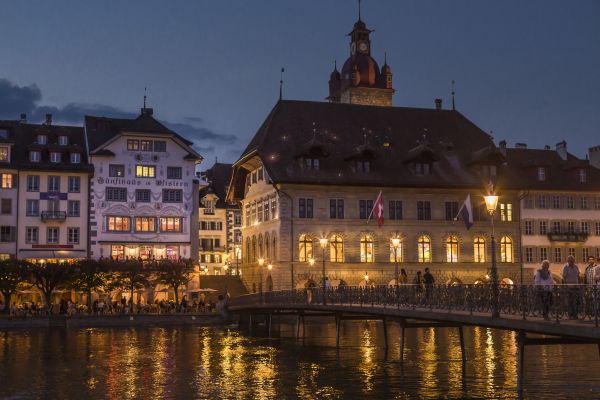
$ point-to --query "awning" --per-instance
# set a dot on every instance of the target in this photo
(44, 253)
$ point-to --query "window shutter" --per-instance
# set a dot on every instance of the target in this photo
(15, 181)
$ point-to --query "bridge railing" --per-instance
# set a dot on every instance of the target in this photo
(554, 303)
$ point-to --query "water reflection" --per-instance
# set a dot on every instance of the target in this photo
(210, 363)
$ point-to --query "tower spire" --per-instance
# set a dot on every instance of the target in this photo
(145, 98)
(453, 106)
(359, 10)
(281, 83)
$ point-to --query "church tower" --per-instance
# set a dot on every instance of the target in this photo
(361, 81)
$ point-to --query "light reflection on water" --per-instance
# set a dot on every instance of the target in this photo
(217, 363)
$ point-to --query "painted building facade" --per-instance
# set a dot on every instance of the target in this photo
(144, 191)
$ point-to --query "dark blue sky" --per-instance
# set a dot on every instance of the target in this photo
(528, 71)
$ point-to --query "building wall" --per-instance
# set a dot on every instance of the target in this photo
(579, 244)
(288, 270)
(367, 96)
(102, 241)
(8, 221)
(63, 249)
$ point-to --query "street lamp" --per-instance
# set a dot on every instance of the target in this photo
(323, 242)
(237, 250)
(396, 244)
(491, 202)
(225, 268)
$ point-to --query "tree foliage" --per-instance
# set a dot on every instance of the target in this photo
(12, 273)
(174, 273)
(48, 277)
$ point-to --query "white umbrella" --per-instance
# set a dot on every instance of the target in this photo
(207, 290)
(28, 292)
(165, 290)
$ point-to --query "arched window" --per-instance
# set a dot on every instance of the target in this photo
(248, 254)
(274, 247)
(254, 258)
(396, 253)
(479, 249)
(336, 249)
(452, 249)
(506, 249)
(261, 254)
(267, 247)
(366, 248)
(424, 249)
(305, 248)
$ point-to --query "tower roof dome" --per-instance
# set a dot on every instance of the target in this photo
(365, 65)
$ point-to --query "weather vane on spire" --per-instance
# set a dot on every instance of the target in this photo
(453, 107)
(359, 10)
(145, 98)
(281, 83)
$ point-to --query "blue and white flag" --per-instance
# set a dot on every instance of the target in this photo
(466, 211)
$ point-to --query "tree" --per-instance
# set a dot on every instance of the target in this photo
(131, 274)
(50, 276)
(12, 273)
(174, 274)
(91, 276)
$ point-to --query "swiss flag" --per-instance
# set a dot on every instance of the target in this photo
(378, 209)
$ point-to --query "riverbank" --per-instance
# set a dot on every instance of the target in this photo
(109, 321)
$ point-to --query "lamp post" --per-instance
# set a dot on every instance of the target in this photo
(226, 268)
(323, 242)
(491, 202)
(396, 244)
(237, 250)
(261, 262)
(269, 268)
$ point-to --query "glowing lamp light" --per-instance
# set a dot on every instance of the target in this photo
(323, 242)
(270, 267)
(225, 267)
(491, 202)
(366, 277)
(261, 261)
(396, 242)
(311, 261)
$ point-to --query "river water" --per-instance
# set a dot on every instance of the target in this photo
(222, 363)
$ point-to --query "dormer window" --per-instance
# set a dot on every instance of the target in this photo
(422, 168)
(63, 140)
(75, 158)
(4, 154)
(34, 156)
(54, 157)
(363, 166)
(42, 139)
(541, 172)
(582, 175)
(312, 163)
(209, 207)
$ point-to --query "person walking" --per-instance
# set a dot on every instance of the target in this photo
(588, 275)
(403, 278)
(571, 277)
(429, 281)
(543, 279)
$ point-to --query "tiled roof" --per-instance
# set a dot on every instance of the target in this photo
(218, 177)
(394, 134)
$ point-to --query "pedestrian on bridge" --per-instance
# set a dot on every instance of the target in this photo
(543, 278)
(589, 276)
(571, 278)
(429, 281)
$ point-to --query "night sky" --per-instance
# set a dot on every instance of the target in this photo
(528, 71)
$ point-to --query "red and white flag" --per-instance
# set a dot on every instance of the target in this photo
(377, 210)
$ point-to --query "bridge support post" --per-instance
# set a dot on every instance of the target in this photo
(462, 345)
(402, 334)
(270, 317)
(521, 360)
(385, 335)
(337, 331)
(250, 324)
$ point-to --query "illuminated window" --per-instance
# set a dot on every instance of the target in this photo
(336, 249)
(117, 224)
(4, 153)
(133, 144)
(452, 249)
(117, 251)
(506, 212)
(366, 249)
(145, 224)
(146, 145)
(145, 171)
(305, 248)
(7, 181)
(261, 254)
(424, 249)
(506, 249)
(479, 249)
(396, 252)
(170, 224)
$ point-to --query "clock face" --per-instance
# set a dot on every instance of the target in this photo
(362, 46)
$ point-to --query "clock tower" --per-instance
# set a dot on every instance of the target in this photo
(361, 81)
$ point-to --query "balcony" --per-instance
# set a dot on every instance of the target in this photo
(54, 216)
(219, 249)
(570, 237)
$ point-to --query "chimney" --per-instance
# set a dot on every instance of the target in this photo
(594, 156)
(147, 111)
(48, 119)
(502, 146)
(520, 145)
(561, 149)
(438, 104)
(23, 118)
(546, 147)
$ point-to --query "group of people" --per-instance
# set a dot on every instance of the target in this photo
(570, 276)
